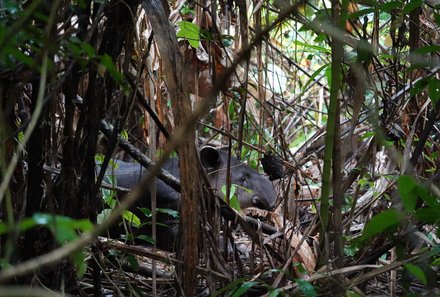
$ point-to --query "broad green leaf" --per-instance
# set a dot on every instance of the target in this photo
(417, 272)
(124, 134)
(430, 200)
(145, 238)
(12, 7)
(132, 262)
(109, 197)
(83, 225)
(313, 76)
(3, 228)
(232, 191)
(428, 49)
(27, 224)
(109, 65)
(381, 222)
(20, 56)
(243, 289)
(205, 35)
(173, 213)
(407, 190)
(186, 9)
(428, 215)
(328, 75)
(64, 233)
(275, 293)
(79, 260)
(103, 215)
(306, 287)
(434, 89)
(229, 288)
(190, 32)
(419, 86)
(316, 48)
(364, 51)
(234, 203)
(63, 228)
(361, 12)
(145, 211)
(390, 6)
(233, 200)
(437, 18)
(411, 5)
(131, 218)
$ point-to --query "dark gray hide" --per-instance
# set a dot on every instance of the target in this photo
(252, 188)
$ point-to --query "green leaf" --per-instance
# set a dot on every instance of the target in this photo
(132, 262)
(232, 191)
(413, 4)
(365, 51)
(131, 218)
(234, 203)
(109, 197)
(186, 10)
(190, 32)
(434, 89)
(381, 222)
(419, 86)
(3, 228)
(314, 48)
(79, 260)
(63, 228)
(146, 211)
(328, 75)
(145, 238)
(428, 215)
(417, 272)
(233, 200)
(230, 288)
(83, 225)
(275, 293)
(205, 35)
(27, 224)
(103, 215)
(361, 12)
(124, 134)
(243, 288)
(305, 287)
(313, 76)
(437, 18)
(107, 63)
(390, 6)
(170, 212)
(430, 200)
(429, 49)
(407, 190)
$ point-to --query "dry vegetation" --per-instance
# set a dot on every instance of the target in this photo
(339, 103)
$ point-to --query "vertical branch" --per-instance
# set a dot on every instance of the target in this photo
(332, 148)
(244, 43)
(191, 191)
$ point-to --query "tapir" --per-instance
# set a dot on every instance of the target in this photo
(251, 188)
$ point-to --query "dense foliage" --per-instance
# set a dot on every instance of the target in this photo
(338, 100)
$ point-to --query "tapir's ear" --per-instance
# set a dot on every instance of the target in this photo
(210, 157)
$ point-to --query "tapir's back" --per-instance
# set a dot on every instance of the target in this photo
(128, 175)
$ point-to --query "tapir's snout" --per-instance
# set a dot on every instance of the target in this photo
(265, 198)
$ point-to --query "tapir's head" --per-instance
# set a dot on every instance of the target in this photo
(252, 189)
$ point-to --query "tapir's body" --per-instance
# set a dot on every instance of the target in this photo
(252, 189)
